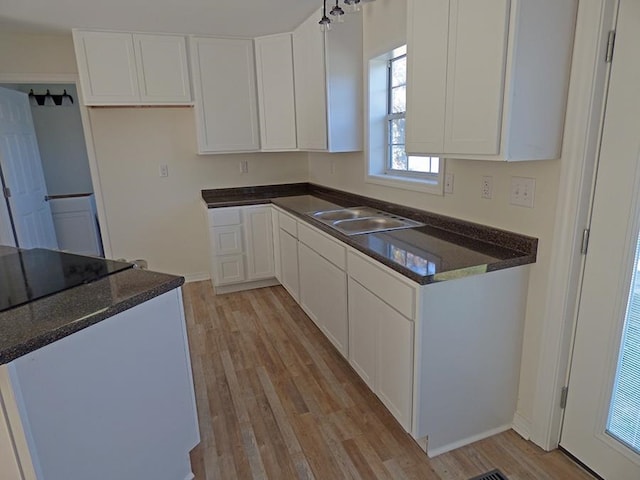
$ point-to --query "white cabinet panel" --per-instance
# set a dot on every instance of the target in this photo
(227, 240)
(225, 93)
(274, 70)
(119, 68)
(323, 295)
(477, 58)
(162, 68)
(107, 67)
(259, 243)
(362, 333)
(428, 31)
(289, 264)
(328, 85)
(229, 269)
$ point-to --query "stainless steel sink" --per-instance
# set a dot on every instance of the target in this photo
(360, 220)
(328, 216)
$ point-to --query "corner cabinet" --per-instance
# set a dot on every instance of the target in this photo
(224, 81)
(488, 79)
(119, 68)
(328, 85)
(276, 99)
(241, 248)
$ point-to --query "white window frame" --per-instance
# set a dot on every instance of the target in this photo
(378, 169)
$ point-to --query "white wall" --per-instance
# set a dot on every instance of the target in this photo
(61, 141)
(385, 28)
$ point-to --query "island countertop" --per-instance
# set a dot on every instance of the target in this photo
(443, 249)
(26, 328)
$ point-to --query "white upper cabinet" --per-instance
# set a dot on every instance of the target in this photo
(276, 99)
(132, 69)
(225, 93)
(328, 85)
(488, 79)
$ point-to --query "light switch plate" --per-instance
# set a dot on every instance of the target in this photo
(522, 191)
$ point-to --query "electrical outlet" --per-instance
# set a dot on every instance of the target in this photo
(486, 187)
(244, 166)
(522, 191)
(164, 170)
(448, 183)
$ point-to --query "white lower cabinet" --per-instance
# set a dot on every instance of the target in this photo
(381, 350)
(323, 296)
(242, 253)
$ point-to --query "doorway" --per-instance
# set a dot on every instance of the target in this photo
(65, 166)
(602, 418)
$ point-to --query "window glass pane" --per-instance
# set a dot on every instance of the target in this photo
(398, 158)
(419, 164)
(399, 99)
(399, 72)
(624, 413)
(435, 165)
(397, 131)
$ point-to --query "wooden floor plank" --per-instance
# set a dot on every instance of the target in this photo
(277, 401)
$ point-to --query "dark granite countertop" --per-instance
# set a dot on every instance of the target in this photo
(445, 248)
(29, 327)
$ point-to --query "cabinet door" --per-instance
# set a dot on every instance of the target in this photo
(362, 332)
(162, 68)
(227, 240)
(107, 67)
(259, 243)
(274, 70)
(394, 362)
(476, 69)
(323, 295)
(310, 85)
(428, 30)
(228, 269)
(225, 93)
(289, 264)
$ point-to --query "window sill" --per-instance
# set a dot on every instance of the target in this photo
(406, 183)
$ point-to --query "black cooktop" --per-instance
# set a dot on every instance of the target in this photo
(32, 274)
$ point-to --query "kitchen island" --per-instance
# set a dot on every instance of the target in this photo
(95, 380)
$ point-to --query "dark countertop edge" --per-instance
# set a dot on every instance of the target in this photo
(521, 244)
(45, 339)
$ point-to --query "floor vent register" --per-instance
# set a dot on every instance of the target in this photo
(492, 475)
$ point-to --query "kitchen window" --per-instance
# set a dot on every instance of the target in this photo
(388, 162)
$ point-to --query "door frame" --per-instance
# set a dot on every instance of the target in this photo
(583, 131)
(88, 138)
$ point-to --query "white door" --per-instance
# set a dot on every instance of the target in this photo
(22, 173)
(602, 418)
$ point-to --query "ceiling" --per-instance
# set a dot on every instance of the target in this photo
(245, 18)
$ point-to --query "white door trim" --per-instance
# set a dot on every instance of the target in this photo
(581, 144)
(88, 137)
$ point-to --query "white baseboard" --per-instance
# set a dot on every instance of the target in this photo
(522, 426)
(466, 441)
(197, 277)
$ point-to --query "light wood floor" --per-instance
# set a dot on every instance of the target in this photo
(276, 401)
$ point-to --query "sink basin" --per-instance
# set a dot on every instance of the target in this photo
(360, 220)
(344, 214)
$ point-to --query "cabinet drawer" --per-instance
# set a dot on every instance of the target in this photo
(288, 224)
(224, 216)
(396, 293)
(328, 248)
